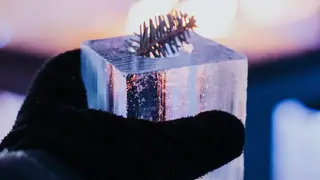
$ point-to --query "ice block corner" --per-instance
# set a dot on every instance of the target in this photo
(211, 77)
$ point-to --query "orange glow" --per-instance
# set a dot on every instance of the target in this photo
(258, 28)
(241, 24)
(275, 12)
(214, 17)
(143, 10)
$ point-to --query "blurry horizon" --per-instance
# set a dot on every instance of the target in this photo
(269, 28)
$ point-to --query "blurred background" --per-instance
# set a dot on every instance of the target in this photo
(280, 37)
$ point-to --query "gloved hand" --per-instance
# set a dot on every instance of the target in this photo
(55, 119)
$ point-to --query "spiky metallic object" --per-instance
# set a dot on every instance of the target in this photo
(166, 31)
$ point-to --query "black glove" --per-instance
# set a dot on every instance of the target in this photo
(55, 119)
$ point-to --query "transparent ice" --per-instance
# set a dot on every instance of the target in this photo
(211, 77)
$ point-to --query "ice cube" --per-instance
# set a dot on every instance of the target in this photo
(211, 77)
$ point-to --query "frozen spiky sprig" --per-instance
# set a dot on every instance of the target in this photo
(165, 31)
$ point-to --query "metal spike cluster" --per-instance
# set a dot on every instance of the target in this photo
(164, 33)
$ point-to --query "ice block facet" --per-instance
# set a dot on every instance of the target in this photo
(211, 77)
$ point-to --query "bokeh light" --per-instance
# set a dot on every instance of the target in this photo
(5, 33)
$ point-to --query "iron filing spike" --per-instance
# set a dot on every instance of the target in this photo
(210, 77)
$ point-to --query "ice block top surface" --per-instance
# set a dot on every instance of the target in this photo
(114, 51)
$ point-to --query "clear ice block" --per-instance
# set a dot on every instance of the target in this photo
(211, 77)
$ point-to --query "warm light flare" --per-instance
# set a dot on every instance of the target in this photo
(145, 9)
(262, 27)
(277, 12)
(214, 17)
